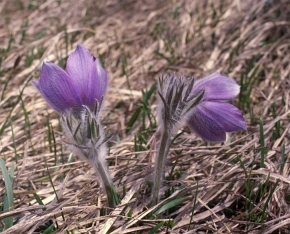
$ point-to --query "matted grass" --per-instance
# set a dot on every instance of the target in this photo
(240, 186)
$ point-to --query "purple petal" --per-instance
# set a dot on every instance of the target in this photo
(206, 127)
(56, 88)
(87, 75)
(217, 87)
(212, 119)
(226, 114)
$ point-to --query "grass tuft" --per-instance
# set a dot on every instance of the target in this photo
(8, 202)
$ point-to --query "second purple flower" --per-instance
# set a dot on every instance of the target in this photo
(213, 117)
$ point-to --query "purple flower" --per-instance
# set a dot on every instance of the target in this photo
(83, 82)
(213, 117)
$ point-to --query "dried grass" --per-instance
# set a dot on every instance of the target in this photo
(205, 36)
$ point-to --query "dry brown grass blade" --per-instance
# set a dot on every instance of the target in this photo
(108, 225)
(276, 226)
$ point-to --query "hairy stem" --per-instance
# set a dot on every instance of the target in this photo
(159, 169)
(106, 182)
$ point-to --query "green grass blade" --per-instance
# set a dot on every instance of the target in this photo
(282, 163)
(262, 144)
(8, 199)
(193, 207)
(155, 229)
(268, 200)
(39, 201)
(49, 230)
(170, 204)
(4, 124)
(134, 118)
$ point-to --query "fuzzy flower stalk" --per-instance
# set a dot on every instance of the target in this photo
(77, 95)
(202, 106)
(174, 103)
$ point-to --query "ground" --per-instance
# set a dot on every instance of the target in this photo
(238, 186)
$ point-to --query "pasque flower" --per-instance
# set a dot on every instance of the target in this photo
(77, 94)
(83, 82)
(175, 102)
(213, 117)
(202, 105)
